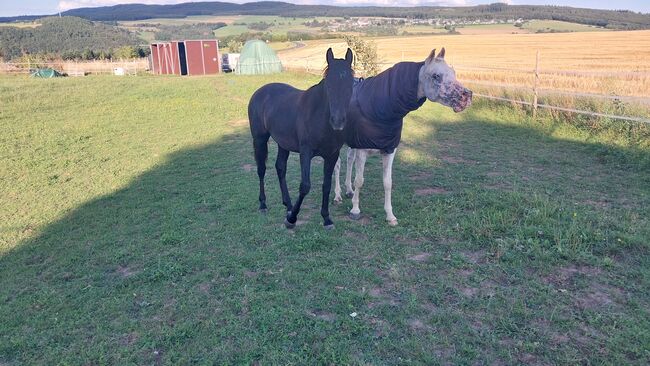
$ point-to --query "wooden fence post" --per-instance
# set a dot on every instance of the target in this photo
(535, 88)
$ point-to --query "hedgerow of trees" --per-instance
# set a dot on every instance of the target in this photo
(69, 38)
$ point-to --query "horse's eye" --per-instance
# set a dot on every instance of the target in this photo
(436, 77)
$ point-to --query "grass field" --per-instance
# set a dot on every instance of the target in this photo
(559, 26)
(130, 235)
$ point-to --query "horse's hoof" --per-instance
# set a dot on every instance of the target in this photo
(349, 194)
(338, 201)
(329, 227)
(392, 222)
(264, 210)
(355, 216)
(289, 225)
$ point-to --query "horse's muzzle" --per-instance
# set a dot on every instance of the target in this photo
(464, 101)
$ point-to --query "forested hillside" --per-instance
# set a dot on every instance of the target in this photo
(65, 36)
(605, 18)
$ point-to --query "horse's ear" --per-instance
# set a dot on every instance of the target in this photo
(348, 56)
(432, 56)
(441, 55)
(329, 56)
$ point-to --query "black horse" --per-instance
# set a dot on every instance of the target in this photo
(308, 122)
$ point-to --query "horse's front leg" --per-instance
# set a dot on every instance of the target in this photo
(387, 162)
(360, 162)
(328, 169)
(352, 153)
(305, 186)
(337, 181)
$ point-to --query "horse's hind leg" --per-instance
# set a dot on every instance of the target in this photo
(281, 169)
(360, 162)
(260, 144)
(328, 168)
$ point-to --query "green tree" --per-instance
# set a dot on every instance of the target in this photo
(365, 55)
(126, 53)
(234, 45)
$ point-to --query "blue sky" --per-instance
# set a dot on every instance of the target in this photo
(30, 7)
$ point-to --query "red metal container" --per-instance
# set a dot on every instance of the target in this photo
(189, 57)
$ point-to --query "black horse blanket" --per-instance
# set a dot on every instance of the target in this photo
(378, 107)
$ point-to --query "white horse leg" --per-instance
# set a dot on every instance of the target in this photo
(387, 162)
(337, 182)
(348, 172)
(360, 161)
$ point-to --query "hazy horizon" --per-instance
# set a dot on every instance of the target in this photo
(46, 7)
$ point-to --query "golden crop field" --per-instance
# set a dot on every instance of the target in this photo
(591, 62)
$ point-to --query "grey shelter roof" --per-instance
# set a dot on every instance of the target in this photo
(258, 58)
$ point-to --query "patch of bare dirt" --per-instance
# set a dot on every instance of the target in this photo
(420, 176)
(382, 327)
(417, 324)
(597, 203)
(383, 299)
(563, 275)
(455, 160)
(475, 257)
(356, 236)
(420, 257)
(597, 296)
(465, 273)
(247, 167)
(409, 241)
(322, 315)
(205, 287)
(486, 288)
(498, 186)
(126, 271)
(128, 339)
(364, 220)
(238, 123)
(468, 291)
(430, 191)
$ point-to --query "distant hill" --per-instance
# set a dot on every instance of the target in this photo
(61, 36)
(613, 19)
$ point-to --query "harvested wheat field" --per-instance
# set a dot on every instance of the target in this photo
(596, 62)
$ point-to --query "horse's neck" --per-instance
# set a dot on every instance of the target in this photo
(318, 95)
(406, 96)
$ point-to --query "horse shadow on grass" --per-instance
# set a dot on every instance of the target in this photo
(179, 267)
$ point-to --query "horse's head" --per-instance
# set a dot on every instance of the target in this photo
(339, 78)
(438, 83)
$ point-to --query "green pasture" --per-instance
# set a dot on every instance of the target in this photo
(559, 26)
(129, 234)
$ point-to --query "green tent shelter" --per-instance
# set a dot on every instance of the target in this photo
(258, 58)
(45, 73)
